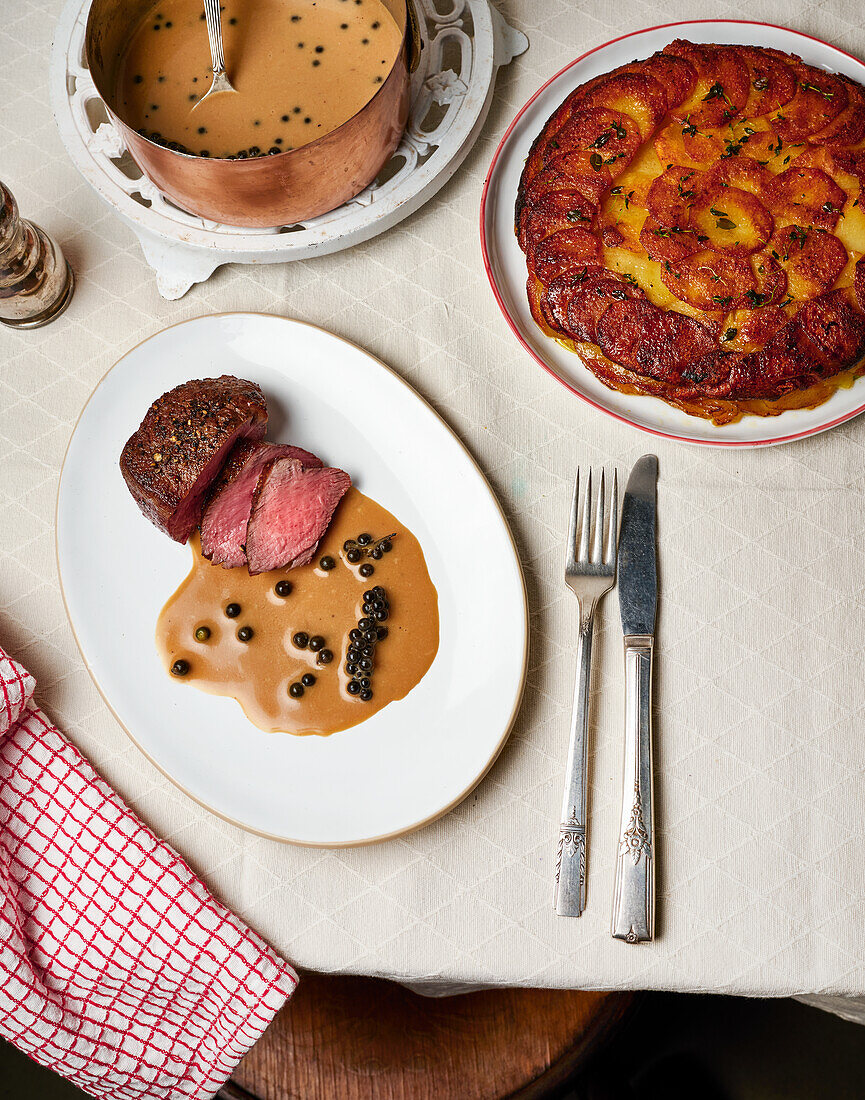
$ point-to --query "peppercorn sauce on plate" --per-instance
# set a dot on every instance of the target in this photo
(691, 226)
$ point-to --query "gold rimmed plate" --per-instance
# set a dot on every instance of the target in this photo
(405, 765)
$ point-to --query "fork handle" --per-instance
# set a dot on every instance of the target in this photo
(570, 896)
(634, 893)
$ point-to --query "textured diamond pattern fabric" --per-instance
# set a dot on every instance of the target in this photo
(759, 681)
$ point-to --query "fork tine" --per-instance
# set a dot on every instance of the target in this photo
(572, 529)
(613, 528)
(585, 521)
(598, 525)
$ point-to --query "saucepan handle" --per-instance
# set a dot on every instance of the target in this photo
(415, 43)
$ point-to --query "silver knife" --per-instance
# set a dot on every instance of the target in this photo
(634, 895)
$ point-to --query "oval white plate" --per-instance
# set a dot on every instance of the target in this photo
(413, 760)
(506, 266)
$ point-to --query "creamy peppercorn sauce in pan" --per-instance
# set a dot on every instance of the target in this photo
(315, 649)
(300, 68)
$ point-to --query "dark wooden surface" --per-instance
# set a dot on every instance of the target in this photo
(675, 1046)
(346, 1038)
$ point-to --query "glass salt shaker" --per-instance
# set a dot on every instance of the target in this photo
(36, 282)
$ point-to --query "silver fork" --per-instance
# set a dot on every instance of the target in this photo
(590, 572)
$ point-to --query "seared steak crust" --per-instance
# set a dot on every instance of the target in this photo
(170, 462)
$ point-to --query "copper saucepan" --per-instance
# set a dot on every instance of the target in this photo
(259, 192)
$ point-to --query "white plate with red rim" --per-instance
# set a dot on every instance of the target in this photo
(413, 760)
(506, 267)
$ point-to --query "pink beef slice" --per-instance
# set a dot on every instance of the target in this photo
(170, 462)
(291, 509)
(223, 526)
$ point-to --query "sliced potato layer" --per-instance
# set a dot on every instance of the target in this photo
(695, 218)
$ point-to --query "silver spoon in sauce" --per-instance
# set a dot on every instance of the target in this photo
(221, 83)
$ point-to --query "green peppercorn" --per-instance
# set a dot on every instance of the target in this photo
(180, 668)
(296, 690)
(202, 634)
(282, 588)
(245, 634)
(327, 563)
(366, 570)
(316, 642)
(307, 679)
(301, 639)
(232, 610)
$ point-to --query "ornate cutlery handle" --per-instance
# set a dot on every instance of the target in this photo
(570, 899)
(634, 896)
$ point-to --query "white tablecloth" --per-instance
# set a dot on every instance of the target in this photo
(760, 754)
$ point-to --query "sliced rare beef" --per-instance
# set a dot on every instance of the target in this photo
(291, 510)
(223, 526)
(170, 462)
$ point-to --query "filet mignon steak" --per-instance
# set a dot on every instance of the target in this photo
(291, 510)
(223, 526)
(170, 462)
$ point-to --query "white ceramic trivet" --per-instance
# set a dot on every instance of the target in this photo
(451, 91)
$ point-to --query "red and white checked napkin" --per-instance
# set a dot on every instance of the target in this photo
(117, 968)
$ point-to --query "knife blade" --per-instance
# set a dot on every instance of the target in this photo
(634, 892)
(638, 574)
